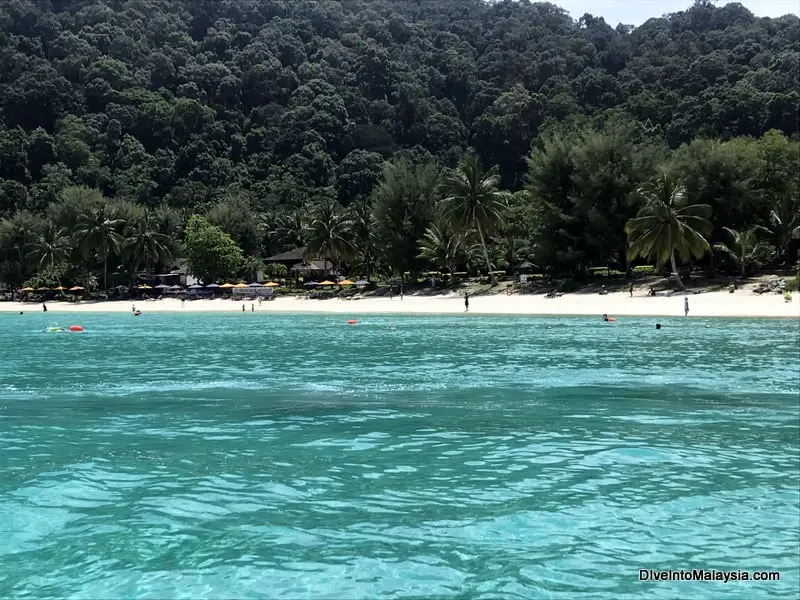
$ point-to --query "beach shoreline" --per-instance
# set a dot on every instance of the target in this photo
(709, 304)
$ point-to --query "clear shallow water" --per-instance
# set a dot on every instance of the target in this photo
(250, 455)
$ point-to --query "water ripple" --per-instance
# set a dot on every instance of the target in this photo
(405, 458)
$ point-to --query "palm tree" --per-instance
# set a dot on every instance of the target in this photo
(51, 247)
(362, 225)
(442, 247)
(328, 233)
(666, 225)
(146, 246)
(97, 233)
(471, 200)
(785, 220)
(746, 249)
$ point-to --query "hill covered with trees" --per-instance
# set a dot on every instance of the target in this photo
(339, 125)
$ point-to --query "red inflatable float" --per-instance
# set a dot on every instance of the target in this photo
(351, 322)
(75, 328)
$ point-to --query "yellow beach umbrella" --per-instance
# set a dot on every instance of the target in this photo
(272, 284)
(43, 289)
(76, 288)
(60, 288)
(345, 282)
(326, 282)
(227, 285)
(241, 285)
(144, 287)
(28, 289)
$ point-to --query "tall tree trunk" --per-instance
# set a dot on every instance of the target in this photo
(486, 254)
(674, 268)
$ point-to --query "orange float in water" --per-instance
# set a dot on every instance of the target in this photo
(75, 328)
(351, 322)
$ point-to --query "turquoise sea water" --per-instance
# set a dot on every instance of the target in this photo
(251, 455)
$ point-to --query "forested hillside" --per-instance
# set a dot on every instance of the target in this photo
(333, 124)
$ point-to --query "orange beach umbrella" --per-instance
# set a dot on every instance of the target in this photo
(76, 288)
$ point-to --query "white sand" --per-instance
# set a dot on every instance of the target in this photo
(712, 304)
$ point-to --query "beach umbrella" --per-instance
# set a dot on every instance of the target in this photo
(227, 285)
(241, 285)
(196, 286)
(272, 284)
(362, 282)
(28, 289)
(162, 286)
(76, 288)
(311, 284)
(345, 282)
(213, 285)
(60, 288)
(43, 289)
(326, 282)
(175, 287)
(254, 285)
(144, 287)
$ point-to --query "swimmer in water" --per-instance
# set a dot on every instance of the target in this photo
(605, 317)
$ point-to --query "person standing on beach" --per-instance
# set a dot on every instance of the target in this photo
(686, 306)
(631, 290)
(466, 301)
(183, 302)
(243, 307)
(44, 307)
(252, 307)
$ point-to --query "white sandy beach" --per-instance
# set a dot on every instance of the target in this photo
(711, 304)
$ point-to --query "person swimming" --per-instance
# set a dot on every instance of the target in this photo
(605, 317)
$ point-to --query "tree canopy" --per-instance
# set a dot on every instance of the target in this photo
(280, 120)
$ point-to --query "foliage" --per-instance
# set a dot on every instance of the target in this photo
(746, 249)
(263, 114)
(667, 226)
(210, 252)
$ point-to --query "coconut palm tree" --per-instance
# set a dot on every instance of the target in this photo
(785, 222)
(99, 233)
(146, 246)
(667, 226)
(50, 247)
(362, 222)
(471, 200)
(442, 247)
(745, 248)
(328, 233)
